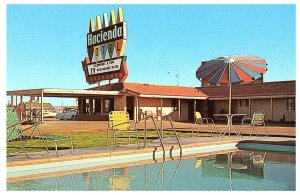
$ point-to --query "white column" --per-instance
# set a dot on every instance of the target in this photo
(21, 107)
(90, 106)
(42, 106)
(30, 107)
(161, 121)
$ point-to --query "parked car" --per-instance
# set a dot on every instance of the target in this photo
(49, 114)
(67, 114)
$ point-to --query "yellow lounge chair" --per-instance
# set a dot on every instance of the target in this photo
(119, 122)
(199, 120)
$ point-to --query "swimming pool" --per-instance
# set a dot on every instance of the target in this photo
(236, 170)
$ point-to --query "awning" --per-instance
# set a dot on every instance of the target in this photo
(70, 93)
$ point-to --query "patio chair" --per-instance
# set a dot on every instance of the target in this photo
(258, 119)
(208, 121)
(119, 122)
(14, 132)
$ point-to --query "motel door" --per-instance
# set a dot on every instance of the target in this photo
(190, 110)
(130, 106)
(210, 109)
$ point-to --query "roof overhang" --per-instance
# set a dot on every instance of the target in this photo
(72, 93)
(253, 97)
(166, 96)
(172, 97)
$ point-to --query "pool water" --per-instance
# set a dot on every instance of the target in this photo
(240, 170)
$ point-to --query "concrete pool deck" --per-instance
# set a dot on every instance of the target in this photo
(105, 151)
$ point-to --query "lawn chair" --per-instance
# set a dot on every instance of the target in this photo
(258, 119)
(119, 122)
(14, 132)
(199, 120)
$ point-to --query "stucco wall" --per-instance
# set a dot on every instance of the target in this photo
(154, 104)
(243, 109)
(184, 110)
(221, 104)
(120, 103)
(261, 105)
(280, 109)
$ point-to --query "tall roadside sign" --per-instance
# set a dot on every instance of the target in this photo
(106, 42)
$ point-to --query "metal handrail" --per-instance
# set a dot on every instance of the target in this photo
(156, 128)
(175, 132)
(177, 168)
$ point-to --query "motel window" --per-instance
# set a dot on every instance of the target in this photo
(291, 104)
(244, 103)
(108, 105)
(175, 104)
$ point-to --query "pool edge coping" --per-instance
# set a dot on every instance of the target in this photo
(107, 154)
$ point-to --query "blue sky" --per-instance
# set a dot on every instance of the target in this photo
(46, 43)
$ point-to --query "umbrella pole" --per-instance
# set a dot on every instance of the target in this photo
(229, 112)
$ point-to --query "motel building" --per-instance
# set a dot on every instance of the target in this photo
(106, 60)
(276, 99)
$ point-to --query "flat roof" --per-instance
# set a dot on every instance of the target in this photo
(72, 93)
(155, 91)
(278, 89)
(275, 89)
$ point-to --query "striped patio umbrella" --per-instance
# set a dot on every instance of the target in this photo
(235, 69)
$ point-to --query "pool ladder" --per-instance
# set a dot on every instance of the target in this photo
(168, 117)
(159, 134)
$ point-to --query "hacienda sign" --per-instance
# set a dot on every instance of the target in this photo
(111, 33)
(106, 43)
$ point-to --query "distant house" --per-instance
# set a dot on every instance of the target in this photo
(25, 106)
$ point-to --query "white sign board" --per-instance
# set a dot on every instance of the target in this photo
(102, 67)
